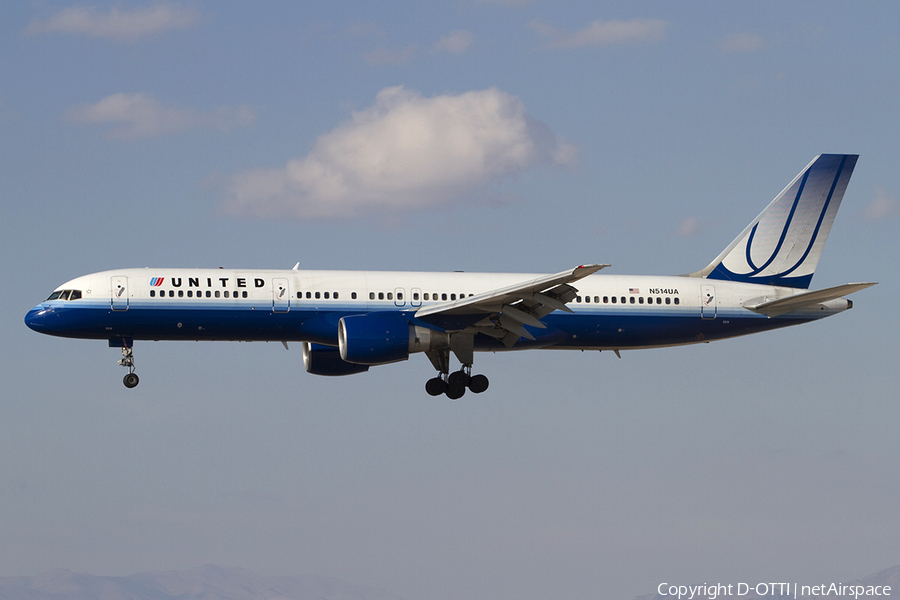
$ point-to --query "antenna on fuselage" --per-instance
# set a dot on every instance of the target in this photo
(297, 266)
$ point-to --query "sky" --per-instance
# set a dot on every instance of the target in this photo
(515, 136)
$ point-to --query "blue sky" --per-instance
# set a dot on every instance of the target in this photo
(345, 135)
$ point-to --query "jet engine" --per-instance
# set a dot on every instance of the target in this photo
(326, 360)
(382, 338)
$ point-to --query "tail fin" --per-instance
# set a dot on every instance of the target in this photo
(783, 244)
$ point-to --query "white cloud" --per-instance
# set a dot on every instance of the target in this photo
(689, 226)
(603, 33)
(882, 206)
(386, 56)
(118, 25)
(405, 152)
(142, 115)
(455, 42)
(741, 42)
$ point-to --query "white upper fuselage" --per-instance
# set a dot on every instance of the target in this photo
(609, 312)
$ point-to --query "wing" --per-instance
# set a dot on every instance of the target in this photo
(507, 310)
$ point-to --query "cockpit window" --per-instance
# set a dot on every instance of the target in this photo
(64, 295)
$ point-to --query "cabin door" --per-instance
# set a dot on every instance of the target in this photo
(281, 294)
(119, 292)
(708, 301)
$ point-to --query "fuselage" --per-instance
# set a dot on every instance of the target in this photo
(610, 312)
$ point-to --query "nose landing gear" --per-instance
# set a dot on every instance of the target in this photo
(127, 361)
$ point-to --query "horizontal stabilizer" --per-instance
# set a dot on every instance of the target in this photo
(780, 306)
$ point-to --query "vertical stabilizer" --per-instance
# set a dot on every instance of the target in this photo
(783, 244)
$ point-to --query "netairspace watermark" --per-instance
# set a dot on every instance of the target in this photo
(778, 589)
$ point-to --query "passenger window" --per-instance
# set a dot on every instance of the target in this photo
(668, 300)
(587, 299)
(613, 299)
(226, 293)
(335, 295)
(425, 295)
(181, 293)
(171, 293)
(371, 295)
(623, 299)
(217, 293)
(659, 300)
(153, 293)
(399, 295)
(606, 299)
(443, 296)
(578, 299)
(453, 296)
(318, 295)
(243, 294)
(299, 295)
(631, 299)
(326, 295)
(353, 295)
(415, 295)
(390, 295)
(641, 300)
(190, 294)
(676, 300)
(381, 295)
(208, 294)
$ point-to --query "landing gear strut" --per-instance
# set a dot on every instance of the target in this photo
(127, 361)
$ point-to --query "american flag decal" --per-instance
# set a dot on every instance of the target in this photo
(634, 291)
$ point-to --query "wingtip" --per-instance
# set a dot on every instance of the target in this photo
(592, 268)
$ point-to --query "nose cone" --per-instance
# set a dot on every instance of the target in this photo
(35, 318)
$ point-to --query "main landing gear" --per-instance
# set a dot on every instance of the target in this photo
(455, 384)
(127, 361)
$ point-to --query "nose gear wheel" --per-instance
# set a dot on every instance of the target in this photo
(127, 361)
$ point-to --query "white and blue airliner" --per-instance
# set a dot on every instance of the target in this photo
(348, 321)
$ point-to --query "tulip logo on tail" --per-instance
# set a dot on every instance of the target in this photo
(783, 245)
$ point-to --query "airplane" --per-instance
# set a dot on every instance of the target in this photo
(349, 321)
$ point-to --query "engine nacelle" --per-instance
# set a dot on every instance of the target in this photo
(326, 360)
(373, 339)
(381, 338)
